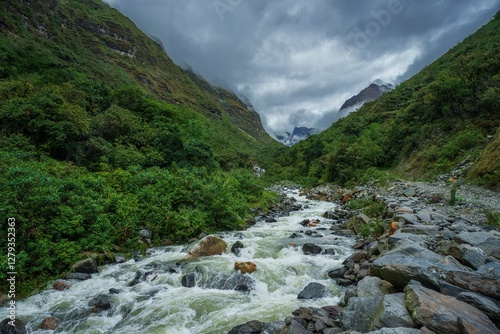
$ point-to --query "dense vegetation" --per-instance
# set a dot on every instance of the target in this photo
(428, 125)
(102, 135)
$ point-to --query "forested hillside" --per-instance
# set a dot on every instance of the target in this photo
(443, 117)
(103, 135)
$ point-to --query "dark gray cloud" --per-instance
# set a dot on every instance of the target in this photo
(298, 61)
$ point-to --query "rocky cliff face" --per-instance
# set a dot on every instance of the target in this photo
(370, 93)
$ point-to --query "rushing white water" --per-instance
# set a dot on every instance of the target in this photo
(160, 304)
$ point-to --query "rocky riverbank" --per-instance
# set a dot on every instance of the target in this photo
(421, 265)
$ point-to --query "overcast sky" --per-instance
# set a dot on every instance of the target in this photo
(299, 60)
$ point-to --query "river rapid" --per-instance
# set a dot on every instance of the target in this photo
(161, 305)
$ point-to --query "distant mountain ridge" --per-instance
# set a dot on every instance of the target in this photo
(370, 93)
(298, 134)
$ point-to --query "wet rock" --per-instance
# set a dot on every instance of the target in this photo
(314, 290)
(87, 266)
(245, 267)
(60, 286)
(441, 313)
(189, 280)
(50, 323)
(392, 313)
(311, 249)
(236, 248)
(372, 286)
(119, 258)
(270, 220)
(100, 303)
(360, 313)
(114, 291)
(18, 328)
(145, 234)
(208, 246)
(78, 276)
(140, 276)
(251, 327)
(344, 281)
(239, 282)
(330, 251)
(484, 284)
(337, 273)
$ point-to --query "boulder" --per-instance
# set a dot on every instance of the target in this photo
(273, 327)
(311, 249)
(18, 328)
(314, 290)
(410, 261)
(208, 246)
(60, 286)
(100, 303)
(50, 323)
(245, 267)
(492, 268)
(473, 257)
(372, 286)
(87, 266)
(360, 313)
(239, 282)
(488, 306)
(392, 313)
(484, 240)
(251, 327)
(189, 280)
(441, 313)
(119, 258)
(236, 248)
(484, 284)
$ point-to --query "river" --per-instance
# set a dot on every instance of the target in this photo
(160, 304)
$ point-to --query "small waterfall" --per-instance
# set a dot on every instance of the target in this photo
(160, 304)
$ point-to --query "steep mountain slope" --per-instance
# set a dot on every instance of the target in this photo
(90, 45)
(298, 134)
(440, 118)
(102, 136)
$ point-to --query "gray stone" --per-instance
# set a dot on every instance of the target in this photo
(189, 280)
(441, 313)
(449, 289)
(101, 303)
(411, 261)
(87, 266)
(251, 327)
(337, 273)
(359, 313)
(410, 192)
(372, 286)
(78, 276)
(239, 282)
(314, 290)
(236, 248)
(488, 306)
(473, 257)
(392, 313)
(492, 268)
(424, 216)
(119, 258)
(273, 327)
(422, 229)
(481, 283)
(484, 240)
(395, 239)
(408, 218)
(145, 234)
(18, 328)
(400, 330)
(311, 249)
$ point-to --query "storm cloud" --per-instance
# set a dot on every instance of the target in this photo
(298, 61)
